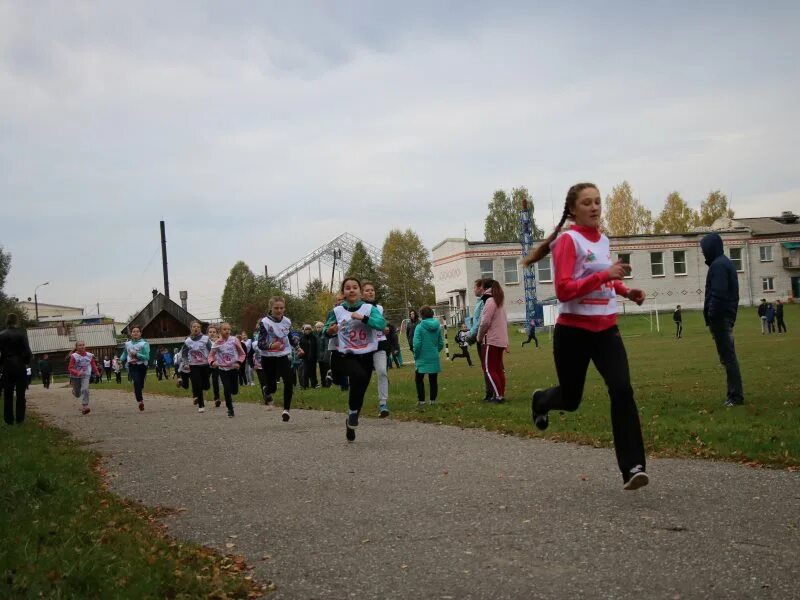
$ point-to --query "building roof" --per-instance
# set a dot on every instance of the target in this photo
(48, 339)
(48, 305)
(768, 226)
(159, 303)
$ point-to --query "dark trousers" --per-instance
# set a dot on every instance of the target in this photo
(487, 384)
(242, 375)
(573, 348)
(108, 373)
(14, 380)
(358, 370)
(230, 385)
(393, 356)
(433, 380)
(262, 379)
(722, 332)
(323, 371)
(678, 329)
(276, 367)
(338, 371)
(531, 336)
(215, 383)
(781, 325)
(464, 354)
(770, 325)
(138, 373)
(46, 379)
(309, 373)
(199, 376)
(119, 376)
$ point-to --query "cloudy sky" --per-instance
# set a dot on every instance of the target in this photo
(258, 131)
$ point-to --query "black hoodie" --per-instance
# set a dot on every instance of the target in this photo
(722, 282)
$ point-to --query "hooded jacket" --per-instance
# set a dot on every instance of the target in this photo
(722, 282)
(428, 343)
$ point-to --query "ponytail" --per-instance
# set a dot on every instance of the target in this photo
(496, 290)
(543, 249)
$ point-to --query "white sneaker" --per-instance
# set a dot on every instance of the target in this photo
(285, 415)
(201, 410)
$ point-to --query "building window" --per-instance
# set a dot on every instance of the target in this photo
(679, 261)
(510, 270)
(765, 253)
(545, 269)
(625, 257)
(736, 258)
(657, 264)
(487, 269)
(768, 284)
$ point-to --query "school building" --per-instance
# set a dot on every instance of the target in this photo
(670, 268)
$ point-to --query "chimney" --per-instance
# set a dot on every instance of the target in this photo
(184, 296)
(787, 217)
(155, 292)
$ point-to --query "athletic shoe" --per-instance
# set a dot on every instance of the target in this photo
(731, 404)
(329, 377)
(384, 412)
(194, 401)
(499, 400)
(352, 420)
(217, 403)
(285, 416)
(540, 420)
(201, 409)
(267, 397)
(350, 433)
(638, 478)
(488, 399)
(86, 410)
(230, 412)
(432, 402)
(141, 405)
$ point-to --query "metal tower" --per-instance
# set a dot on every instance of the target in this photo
(533, 310)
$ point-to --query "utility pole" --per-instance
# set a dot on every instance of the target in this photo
(164, 259)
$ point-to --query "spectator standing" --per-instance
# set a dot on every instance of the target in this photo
(15, 356)
(45, 371)
(677, 316)
(428, 343)
(779, 316)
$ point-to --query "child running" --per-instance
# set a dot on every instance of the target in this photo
(379, 356)
(428, 343)
(462, 340)
(195, 352)
(227, 355)
(81, 367)
(213, 335)
(354, 323)
(275, 344)
(587, 285)
(137, 355)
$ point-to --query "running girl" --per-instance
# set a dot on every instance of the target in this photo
(213, 335)
(195, 352)
(587, 284)
(379, 356)
(81, 368)
(275, 342)
(137, 355)
(227, 355)
(354, 323)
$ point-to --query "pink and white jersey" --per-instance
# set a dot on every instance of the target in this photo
(81, 364)
(354, 336)
(275, 332)
(591, 257)
(379, 335)
(227, 353)
(198, 350)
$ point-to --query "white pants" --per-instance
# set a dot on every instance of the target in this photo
(379, 362)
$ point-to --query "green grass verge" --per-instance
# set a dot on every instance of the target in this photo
(62, 535)
(679, 387)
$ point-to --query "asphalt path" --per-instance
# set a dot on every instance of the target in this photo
(413, 510)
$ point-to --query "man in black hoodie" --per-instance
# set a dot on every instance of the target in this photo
(15, 356)
(719, 309)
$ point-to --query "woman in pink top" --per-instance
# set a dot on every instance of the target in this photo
(493, 335)
(587, 285)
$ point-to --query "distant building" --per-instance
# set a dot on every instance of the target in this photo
(670, 268)
(163, 322)
(52, 311)
(58, 343)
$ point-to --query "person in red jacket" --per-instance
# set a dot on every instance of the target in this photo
(587, 285)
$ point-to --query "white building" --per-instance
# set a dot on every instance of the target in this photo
(670, 268)
(53, 312)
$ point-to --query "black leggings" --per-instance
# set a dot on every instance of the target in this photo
(531, 336)
(275, 367)
(46, 377)
(433, 379)
(573, 348)
(230, 385)
(215, 382)
(14, 380)
(358, 368)
(199, 375)
(138, 373)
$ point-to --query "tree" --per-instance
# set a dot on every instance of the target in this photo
(8, 305)
(363, 267)
(517, 196)
(406, 264)
(714, 207)
(240, 291)
(625, 215)
(676, 216)
(501, 221)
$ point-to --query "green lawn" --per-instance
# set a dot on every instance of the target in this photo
(679, 387)
(62, 535)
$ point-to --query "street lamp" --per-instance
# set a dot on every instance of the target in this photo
(36, 300)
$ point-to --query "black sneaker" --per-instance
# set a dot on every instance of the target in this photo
(384, 412)
(352, 420)
(540, 420)
(285, 416)
(637, 478)
(230, 412)
(217, 403)
(350, 433)
(267, 397)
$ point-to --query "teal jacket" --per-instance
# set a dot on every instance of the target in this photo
(142, 349)
(476, 319)
(428, 343)
(375, 321)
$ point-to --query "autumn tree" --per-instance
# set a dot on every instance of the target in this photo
(239, 292)
(712, 208)
(8, 304)
(406, 265)
(363, 267)
(625, 215)
(676, 216)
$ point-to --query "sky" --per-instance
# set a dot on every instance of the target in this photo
(260, 131)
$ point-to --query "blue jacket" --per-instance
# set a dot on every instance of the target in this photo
(722, 282)
(428, 343)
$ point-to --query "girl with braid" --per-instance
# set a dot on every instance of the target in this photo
(587, 285)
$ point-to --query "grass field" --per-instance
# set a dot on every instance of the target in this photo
(679, 387)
